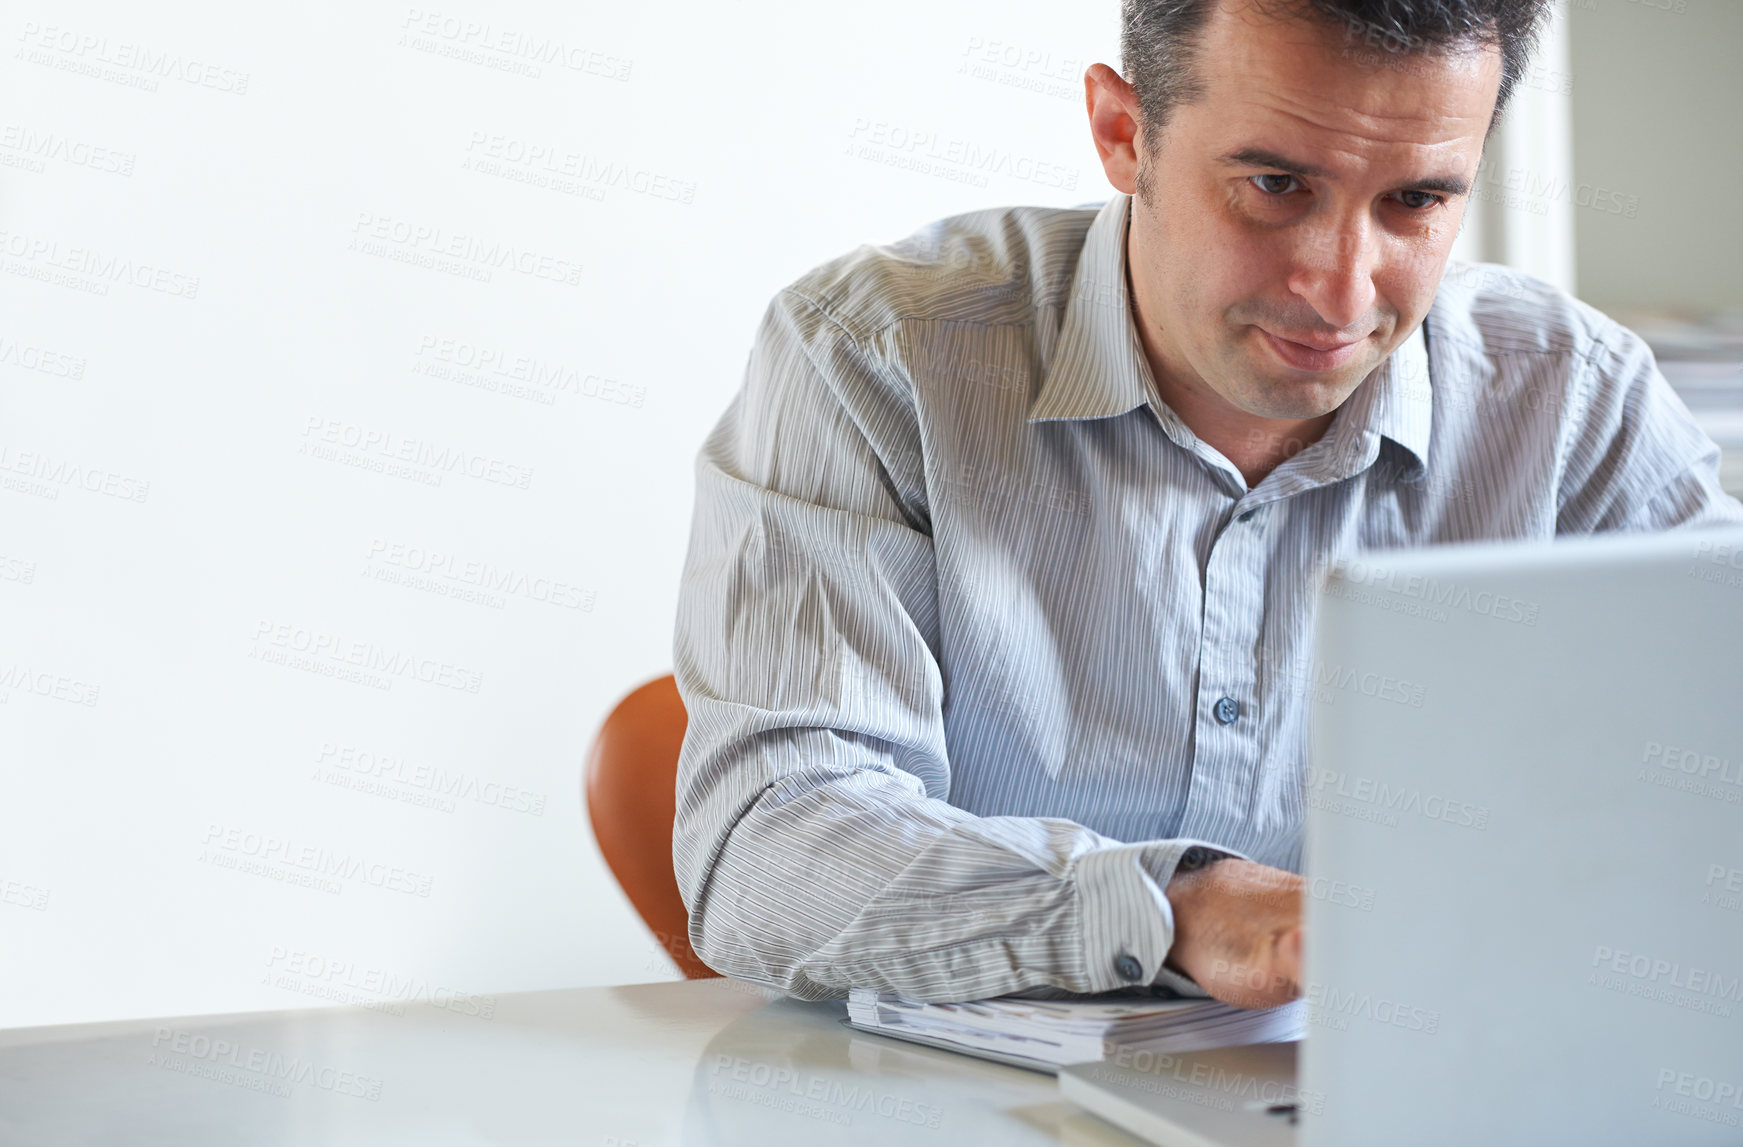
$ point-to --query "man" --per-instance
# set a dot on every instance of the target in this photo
(995, 626)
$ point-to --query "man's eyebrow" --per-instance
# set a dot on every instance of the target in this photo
(1259, 157)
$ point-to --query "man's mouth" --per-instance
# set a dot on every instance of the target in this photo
(1316, 354)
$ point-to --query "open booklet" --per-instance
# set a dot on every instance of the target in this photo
(1046, 1035)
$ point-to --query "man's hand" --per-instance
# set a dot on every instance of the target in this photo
(1237, 932)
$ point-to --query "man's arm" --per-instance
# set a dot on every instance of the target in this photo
(1634, 459)
(814, 845)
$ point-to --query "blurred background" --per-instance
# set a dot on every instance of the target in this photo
(353, 363)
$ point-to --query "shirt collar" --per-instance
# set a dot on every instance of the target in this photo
(1098, 368)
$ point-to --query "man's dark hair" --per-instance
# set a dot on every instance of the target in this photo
(1159, 40)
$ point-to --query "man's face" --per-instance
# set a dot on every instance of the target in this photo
(1310, 196)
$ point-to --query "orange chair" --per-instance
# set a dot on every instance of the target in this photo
(630, 782)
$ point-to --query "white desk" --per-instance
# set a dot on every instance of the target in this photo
(697, 1063)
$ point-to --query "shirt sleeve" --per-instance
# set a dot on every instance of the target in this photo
(1635, 458)
(815, 846)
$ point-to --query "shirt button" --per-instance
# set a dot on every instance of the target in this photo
(1128, 967)
(1227, 710)
(1246, 516)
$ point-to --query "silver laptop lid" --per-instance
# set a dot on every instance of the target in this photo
(1525, 845)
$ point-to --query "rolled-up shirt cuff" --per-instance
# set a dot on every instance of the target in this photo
(1127, 922)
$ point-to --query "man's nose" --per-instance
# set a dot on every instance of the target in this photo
(1334, 270)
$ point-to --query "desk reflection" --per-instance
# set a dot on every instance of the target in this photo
(793, 1072)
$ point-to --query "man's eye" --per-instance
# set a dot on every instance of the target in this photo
(1425, 201)
(1263, 184)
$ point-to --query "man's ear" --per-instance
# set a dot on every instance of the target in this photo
(1114, 124)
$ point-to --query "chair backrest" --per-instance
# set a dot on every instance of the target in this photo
(630, 781)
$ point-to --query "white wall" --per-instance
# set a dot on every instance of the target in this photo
(248, 254)
(1658, 122)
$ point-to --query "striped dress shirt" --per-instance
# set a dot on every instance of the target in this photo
(977, 638)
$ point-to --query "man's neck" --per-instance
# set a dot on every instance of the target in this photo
(1255, 445)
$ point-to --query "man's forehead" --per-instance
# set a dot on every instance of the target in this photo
(1264, 67)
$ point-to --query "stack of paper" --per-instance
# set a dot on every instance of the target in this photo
(1049, 1034)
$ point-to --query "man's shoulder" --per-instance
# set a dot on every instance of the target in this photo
(1498, 311)
(993, 266)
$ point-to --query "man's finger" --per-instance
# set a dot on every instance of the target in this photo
(1289, 952)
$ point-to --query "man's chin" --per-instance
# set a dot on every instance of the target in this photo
(1297, 400)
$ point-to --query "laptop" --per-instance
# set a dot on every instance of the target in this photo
(1524, 863)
